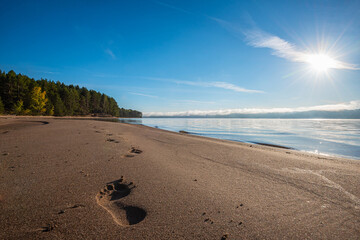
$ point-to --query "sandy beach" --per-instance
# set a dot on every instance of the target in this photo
(87, 179)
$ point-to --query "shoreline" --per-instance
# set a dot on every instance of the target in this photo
(262, 143)
(96, 179)
(265, 146)
(118, 120)
(259, 144)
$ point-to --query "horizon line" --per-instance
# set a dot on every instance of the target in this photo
(352, 105)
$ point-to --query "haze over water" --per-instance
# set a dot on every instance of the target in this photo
(338, 137)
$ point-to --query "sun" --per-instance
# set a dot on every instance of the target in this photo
(320, 62)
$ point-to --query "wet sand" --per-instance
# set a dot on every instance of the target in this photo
(86, 179)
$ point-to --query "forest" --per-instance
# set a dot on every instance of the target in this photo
(22, 95)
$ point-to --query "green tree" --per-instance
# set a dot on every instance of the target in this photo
(76, 105)
(95, 101)
(38, 101)
(49, 110)
(59, 107)
(84, 107)
(8, 94)
(2, 109)
(104, 104)
(71, 100)
(19, 107)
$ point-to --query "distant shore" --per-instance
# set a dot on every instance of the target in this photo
(89, 179)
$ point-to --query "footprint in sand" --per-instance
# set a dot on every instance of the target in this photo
(48, 228)
(135, 150)
(109, 197)
(225, 236)
(132, 151)
(112, 140)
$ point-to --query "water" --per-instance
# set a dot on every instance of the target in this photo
(338, 137)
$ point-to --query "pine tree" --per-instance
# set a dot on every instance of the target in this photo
(49, 110)
(59, 108)
(2, 109)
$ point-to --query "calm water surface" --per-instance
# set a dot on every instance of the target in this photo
(340, 137)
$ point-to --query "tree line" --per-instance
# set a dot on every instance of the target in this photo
(22, 95)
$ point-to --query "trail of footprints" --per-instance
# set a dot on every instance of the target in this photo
(133, 150)
(109, 198)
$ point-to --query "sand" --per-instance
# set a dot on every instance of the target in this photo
(86, 179)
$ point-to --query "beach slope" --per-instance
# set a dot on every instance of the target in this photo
(87, 179)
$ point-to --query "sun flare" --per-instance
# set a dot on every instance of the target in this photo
(320, 62)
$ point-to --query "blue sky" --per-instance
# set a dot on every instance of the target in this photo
(178, 56)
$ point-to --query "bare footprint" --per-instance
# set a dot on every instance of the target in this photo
(47, 228)
(112, 140)
(135, 150)
(122, 214)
